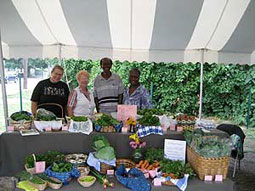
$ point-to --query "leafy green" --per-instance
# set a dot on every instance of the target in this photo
(48, 179)
(36, 180)
(106, 153)
(153, 154)
(23, 175)
(87, 179)
(151, 111)
(178, 168)
(106, 120)
(61, 167)
(21, 115)
(149, 120)
(206, 145)
(44, 115)
(99, 142)
(79, 118)
(103, 149)
(49, 157)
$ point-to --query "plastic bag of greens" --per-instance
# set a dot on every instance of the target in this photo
(45, 115)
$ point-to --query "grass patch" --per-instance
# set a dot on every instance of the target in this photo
(14, 105)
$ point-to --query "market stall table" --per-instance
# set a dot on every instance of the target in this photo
(193, 185)
(14, 148)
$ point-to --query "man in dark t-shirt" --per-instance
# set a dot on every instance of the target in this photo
(51, 93)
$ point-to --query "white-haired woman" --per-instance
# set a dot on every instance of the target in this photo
(81, 100)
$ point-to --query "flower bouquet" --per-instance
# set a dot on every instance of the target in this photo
(136, 144)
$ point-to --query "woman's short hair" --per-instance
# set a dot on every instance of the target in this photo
(82, 73)
(57, 66)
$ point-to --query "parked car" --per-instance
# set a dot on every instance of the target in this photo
(11, 78)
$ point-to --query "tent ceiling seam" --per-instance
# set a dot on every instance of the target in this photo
(44, 19)
(217, 25)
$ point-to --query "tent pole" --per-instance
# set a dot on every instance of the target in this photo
(3, 84)
(201, 82)
(60, 54)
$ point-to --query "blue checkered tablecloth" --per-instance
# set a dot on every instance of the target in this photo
(148, 130)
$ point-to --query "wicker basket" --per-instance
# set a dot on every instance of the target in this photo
(39, 186)
(86, 184)
(169, 183)
(21, 125)
(127, 163)
(104, 167)
(53, 185)
(30, 170)
(84, 171)
(207, 166)
(107, 129)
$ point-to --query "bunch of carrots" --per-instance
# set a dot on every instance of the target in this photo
(144, 165)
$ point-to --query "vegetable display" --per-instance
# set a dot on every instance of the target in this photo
(149, 120)
(206, 145)
(102, 179)
(48, 179)
(145, 165)
(21, 115)
(23, 175)
(87, 179)
(49, 157)
(61, 167)
(44, 115)
(175, 169)
(106, 120)
(79, 118)
(153, 154)
(151, 112)
(103, 149)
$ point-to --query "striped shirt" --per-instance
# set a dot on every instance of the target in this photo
(107, 92)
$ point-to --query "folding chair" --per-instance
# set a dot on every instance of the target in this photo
(237, 151)
(237, 136)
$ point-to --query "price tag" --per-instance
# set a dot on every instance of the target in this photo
(124, 129)
(65, 128)
(218, 178)
(208, 178)
(47, 129)
(172, 127)
(110, 172)
(146, 175)
(39, 167)
(157, 182)
(10, 128)
(153, 173)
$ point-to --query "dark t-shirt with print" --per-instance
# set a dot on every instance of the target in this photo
(48, 92)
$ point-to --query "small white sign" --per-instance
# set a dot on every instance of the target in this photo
(175, 149)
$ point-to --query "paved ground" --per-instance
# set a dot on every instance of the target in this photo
(245, 177)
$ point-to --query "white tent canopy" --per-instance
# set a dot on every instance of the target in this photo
(134, 30)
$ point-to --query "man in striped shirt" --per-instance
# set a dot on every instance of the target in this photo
(108, 88)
